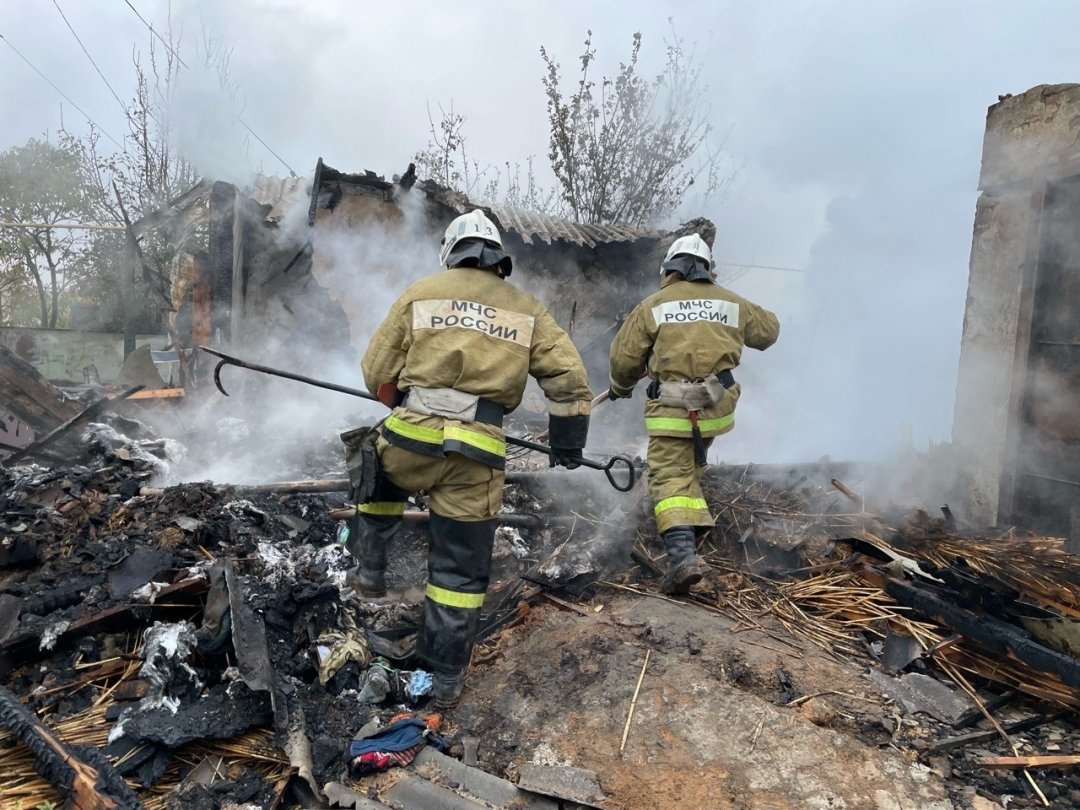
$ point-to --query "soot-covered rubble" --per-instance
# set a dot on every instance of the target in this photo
(196, 641)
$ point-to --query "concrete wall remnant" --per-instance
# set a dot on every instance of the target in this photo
(1020, 355)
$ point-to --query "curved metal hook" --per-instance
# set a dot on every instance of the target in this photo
(631, 473)
(217, 375)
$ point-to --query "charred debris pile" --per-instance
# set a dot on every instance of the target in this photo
(192, 645)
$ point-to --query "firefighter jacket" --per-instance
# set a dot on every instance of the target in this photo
(685, 332)
(469, 330)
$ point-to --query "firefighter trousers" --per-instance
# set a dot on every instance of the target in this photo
(464, 496)
(675, 483)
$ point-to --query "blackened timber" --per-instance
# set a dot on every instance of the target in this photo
(87, 779)
(973, 716)
(29, 396)
(960, 740)
(315, 185)
(249, 638)
(997, 636)
(24, 646)
(221, 254)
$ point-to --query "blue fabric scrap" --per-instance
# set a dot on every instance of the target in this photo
(399, 736)
(420, 684)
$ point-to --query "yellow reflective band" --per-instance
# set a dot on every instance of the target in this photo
(481, 441)
(667, 423)
(716, 424)
(411, 431)
(679, 423)
(456, 599)
(681, 502)
(388, 508)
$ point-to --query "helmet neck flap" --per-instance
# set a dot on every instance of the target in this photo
(478, 253)
(691, 268)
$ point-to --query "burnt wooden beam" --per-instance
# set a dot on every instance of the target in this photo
(24, 646)
(29, 396)
(973, 716)
(960, 740)
(222, 244)
(991, 633)
(1041, 761)
(87, 780)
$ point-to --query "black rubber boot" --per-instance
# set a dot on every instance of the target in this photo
(447, 688)
(368, 540)
(684, 567)
(459, 565)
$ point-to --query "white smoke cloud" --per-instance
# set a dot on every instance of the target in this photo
(859, 162)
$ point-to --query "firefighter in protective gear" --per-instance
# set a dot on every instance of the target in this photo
(459, 346)
(688, 337)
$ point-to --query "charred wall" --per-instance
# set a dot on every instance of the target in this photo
(286, 312)
(1019, 375)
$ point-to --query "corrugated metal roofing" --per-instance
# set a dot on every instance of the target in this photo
(532, 224)
(279, 193)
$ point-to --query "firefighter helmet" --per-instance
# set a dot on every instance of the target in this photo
(690, 257)
(473, 225)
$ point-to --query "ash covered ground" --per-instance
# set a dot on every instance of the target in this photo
(198, 636)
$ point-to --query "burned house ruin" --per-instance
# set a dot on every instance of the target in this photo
(195, 645)
(588, 276)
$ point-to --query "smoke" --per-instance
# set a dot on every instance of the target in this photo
(274, 429)
(211, 138)
(870, 336)
(367, 265)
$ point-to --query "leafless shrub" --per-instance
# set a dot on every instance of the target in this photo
(622, 150)
(627, 149)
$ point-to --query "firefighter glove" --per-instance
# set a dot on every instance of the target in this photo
(567, 435)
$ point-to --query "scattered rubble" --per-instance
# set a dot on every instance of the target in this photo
(198, 641)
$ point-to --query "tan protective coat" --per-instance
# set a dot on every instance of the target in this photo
(686, 331)
(467, 329)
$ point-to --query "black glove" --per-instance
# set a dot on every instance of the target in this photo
(611, 395)
(567, 435)
(565, 458)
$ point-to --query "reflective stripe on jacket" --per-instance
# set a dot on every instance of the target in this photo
(468, 329)
(685, 331)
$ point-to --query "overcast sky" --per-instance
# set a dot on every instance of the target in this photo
(856, 128)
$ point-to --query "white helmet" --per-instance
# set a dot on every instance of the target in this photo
(692, 245)
(473, 225)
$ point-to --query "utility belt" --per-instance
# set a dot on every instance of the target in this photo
(453, 404)
(696, 395)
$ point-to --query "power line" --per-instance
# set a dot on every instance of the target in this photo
(71, 226)
(156, 34)
(760, 266)
(179, 59)
(88, 56)
(61, 92)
